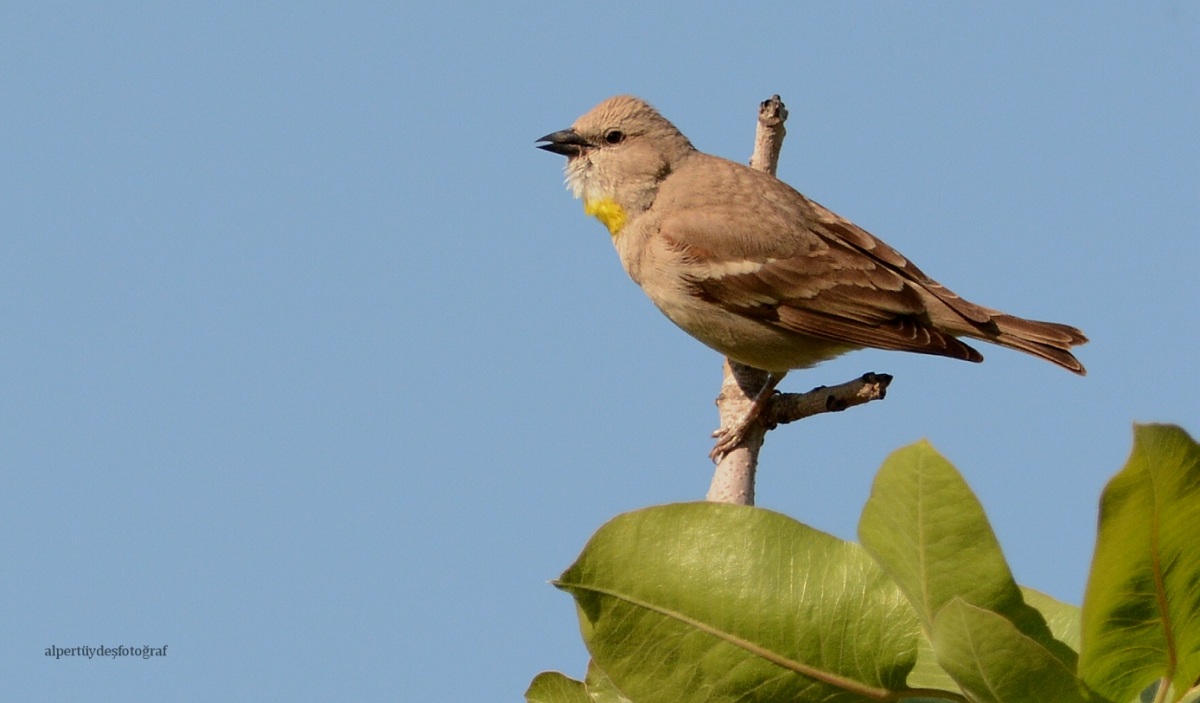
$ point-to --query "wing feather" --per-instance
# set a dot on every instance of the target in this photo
(814, 283)
(802, 267)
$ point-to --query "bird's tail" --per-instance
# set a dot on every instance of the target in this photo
(1050, 340)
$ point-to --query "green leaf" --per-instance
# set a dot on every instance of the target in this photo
(600, 688)
(1150, 693)
(1063, 618)
(553, 687)
(928, 530)
(1141, 611)
(709, 602)
(994, 662)
(927, 673)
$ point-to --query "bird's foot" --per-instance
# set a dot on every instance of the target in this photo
(733, 435)
(728, 438)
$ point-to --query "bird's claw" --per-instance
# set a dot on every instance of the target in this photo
(727, 439)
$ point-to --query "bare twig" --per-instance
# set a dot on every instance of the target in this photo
(733, 480)
(768, 138)
(789, 407)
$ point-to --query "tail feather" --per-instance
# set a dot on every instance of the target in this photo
(1049, 340)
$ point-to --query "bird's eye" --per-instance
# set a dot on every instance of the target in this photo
(614, 136)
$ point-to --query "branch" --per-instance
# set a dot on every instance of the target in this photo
(789, 407)
(733, 480)
(768, 138)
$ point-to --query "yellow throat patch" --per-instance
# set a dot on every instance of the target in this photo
(608, 212)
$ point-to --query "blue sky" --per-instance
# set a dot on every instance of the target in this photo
(313, 371)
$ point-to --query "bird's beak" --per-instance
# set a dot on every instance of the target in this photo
(566, 142)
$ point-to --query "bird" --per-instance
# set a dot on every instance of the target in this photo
(755, 270)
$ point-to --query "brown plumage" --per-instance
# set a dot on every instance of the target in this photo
(757, 271)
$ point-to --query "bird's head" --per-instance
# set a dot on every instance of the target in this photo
(617, 154)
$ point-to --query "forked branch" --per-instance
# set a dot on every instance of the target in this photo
(733, 480)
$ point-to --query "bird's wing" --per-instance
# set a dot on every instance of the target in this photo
(830, 225)
(807, 270)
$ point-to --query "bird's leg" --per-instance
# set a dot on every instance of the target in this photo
(731, 436)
